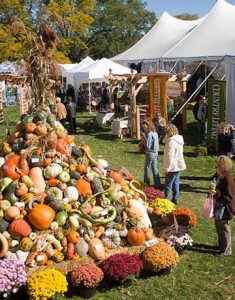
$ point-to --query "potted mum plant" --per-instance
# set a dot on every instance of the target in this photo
(177, 237)
(159, 258)
(46, 284)
(184, 216)
(120, 268)
(85, 278)
(12, 277)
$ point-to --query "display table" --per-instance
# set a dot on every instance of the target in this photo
(119, 126)
(103, 117)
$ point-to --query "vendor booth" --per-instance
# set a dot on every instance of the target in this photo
(96, 73)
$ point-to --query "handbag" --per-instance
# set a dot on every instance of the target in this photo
(219, 211)
(208, 208)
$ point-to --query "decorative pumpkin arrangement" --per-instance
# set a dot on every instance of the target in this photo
(60, 203)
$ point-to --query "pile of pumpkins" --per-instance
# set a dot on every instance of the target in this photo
(59, 203)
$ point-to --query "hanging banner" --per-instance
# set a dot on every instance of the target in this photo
(216, 107)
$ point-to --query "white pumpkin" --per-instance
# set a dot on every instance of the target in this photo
(111, 238)
(52, 171)
(144, 218)
(71, 193)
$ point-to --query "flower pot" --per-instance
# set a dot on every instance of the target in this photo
(180, 250)
(86, 292)
(164, 272)
(127, 283)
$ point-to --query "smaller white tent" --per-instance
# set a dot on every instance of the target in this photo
(97, 72)
(99, 69)
(8, 67)
(68, 70)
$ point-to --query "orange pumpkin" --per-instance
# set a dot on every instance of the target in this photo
(19, 227)
(53, 182)
(47, 161)
(41, 129)
(148, 233)
(73, 236)
(84, 187)
(41, 216)
(41, 259)
(49, 263)
(38, 151)
(30, 127)
(117, 177)
(82, 169)
(70, 139)
(136, 236)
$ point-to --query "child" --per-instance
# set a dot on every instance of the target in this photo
(173, 162)
(151, 153)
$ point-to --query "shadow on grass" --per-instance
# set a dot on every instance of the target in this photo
(196, 178)
(203, 248)
(191, 189)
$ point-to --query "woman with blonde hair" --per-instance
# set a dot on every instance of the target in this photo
(173, 162)
(151, 146)
(224, 204)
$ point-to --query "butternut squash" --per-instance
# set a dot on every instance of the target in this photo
(38, 181)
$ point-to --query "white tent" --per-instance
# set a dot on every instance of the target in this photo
(213, 38)
(69, 74)
(99, 69)
(8, 67)
(161, 38)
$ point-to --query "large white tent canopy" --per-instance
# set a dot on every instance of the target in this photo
(212, 38)
(161, 38)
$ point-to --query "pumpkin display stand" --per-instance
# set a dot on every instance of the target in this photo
(67, 266)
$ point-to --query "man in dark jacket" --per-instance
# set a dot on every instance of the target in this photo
(200, 112)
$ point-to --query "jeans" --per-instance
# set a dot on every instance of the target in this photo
(202, 131)
(151, 162)
(172, 183)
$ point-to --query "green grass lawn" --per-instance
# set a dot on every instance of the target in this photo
(199, 275)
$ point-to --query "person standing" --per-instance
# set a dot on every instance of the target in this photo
(160, 125)
(200, 112)
(173, 162)
(71, 114)
(61, 112)
(151, 146)
(70, 92)
(224, 204)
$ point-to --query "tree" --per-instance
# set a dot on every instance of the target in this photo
(187, 17)
(77, 19)
(118, 24)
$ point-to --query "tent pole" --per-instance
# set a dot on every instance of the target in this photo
(196, 91)
(89, 97)
(176, 63)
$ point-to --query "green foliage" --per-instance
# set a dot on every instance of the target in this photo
(118, 24)
(187, 17)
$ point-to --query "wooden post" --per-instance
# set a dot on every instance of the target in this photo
(138, 123)
(151, 85)
(163, 97)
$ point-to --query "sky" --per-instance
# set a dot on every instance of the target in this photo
(175, 7)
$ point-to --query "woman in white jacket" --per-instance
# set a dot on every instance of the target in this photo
(173, 162)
